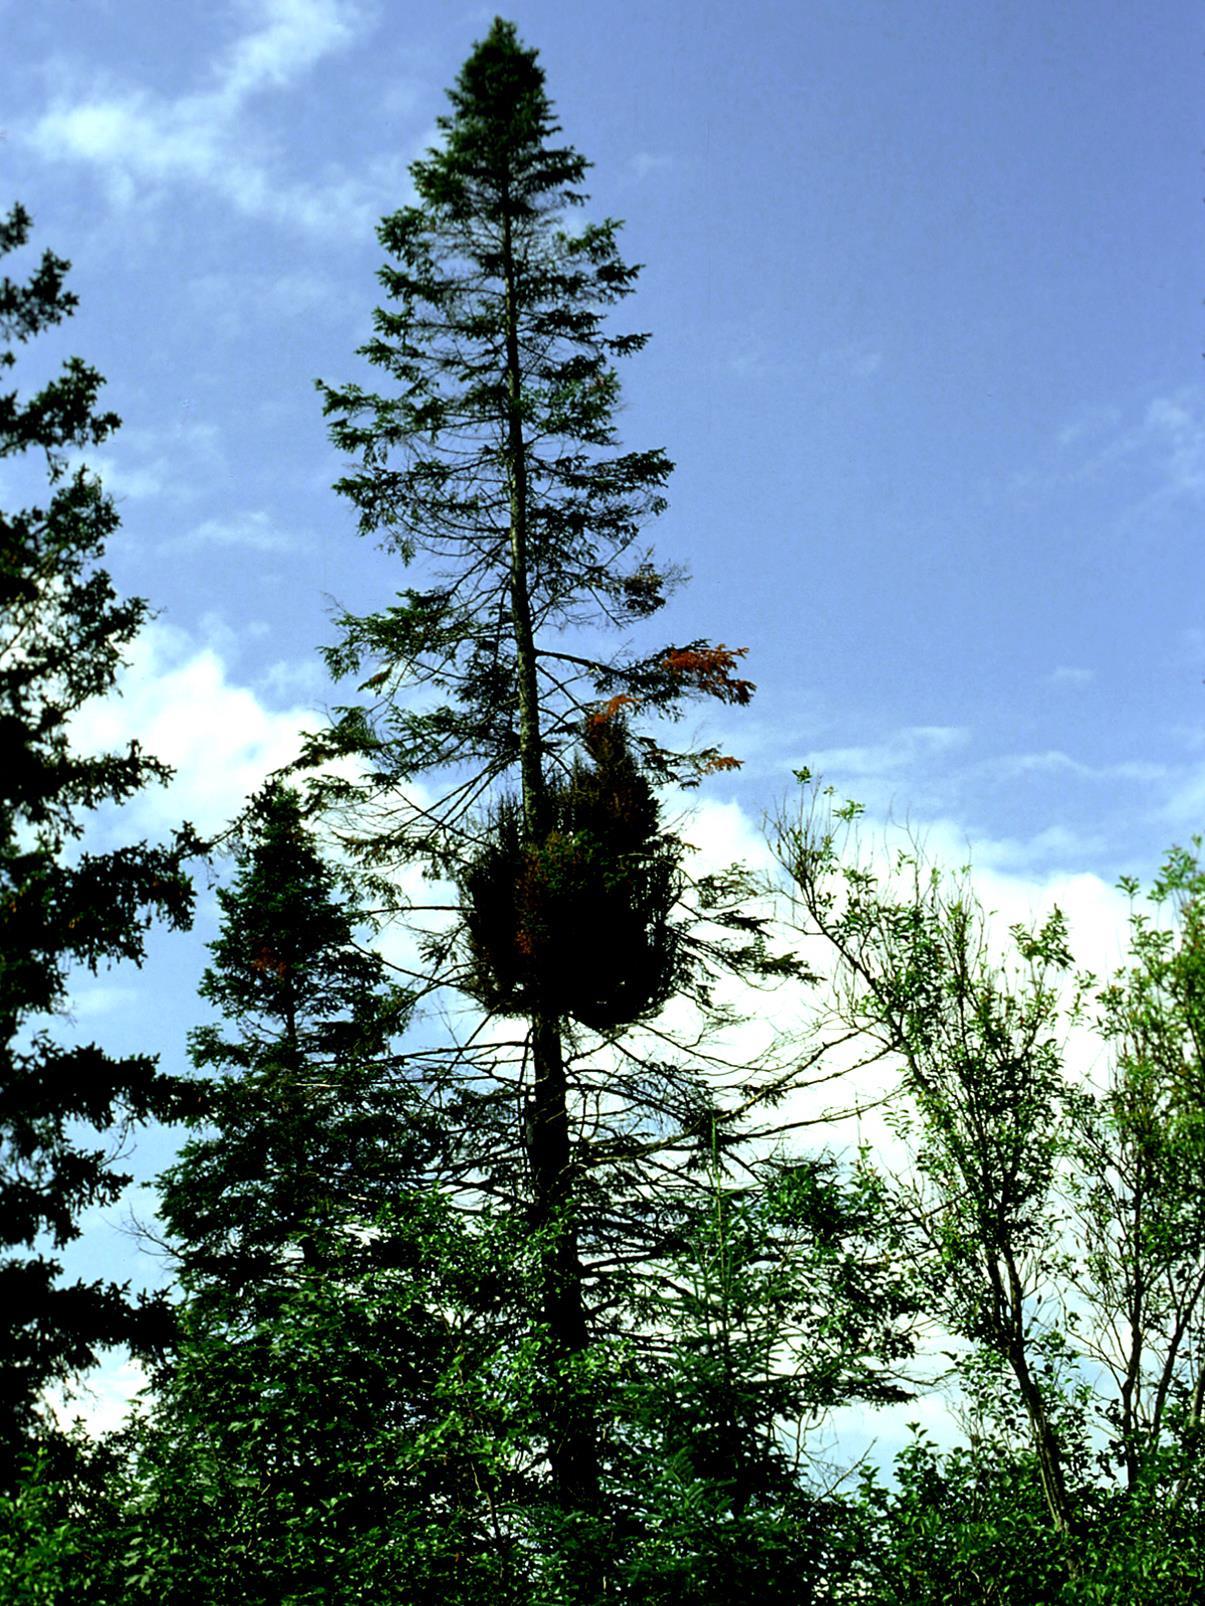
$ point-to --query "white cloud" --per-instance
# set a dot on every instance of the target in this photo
(296, 678)
(645, 163)
(144, 143)
(1175, 427)
(1089, 423)
(1071, 675)
(143, 464)
(1096, 912)
(893, 754)
(1094, 808)
(883, 760)
(1165, 447)
(177, 698)
(125, 481)
(253, 530)
(93, 1000)
(1184, 809)
(230, 302)
(103, 1397)
(1055, 760)
(1049, 845)
(720, 834)
(293, 36)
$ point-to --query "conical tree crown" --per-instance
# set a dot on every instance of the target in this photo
(304, 1133)
(497, 429)
(495, 146)
(287, 948)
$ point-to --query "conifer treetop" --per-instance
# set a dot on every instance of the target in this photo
(492, 460)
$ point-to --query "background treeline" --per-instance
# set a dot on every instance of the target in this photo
(501, 1269)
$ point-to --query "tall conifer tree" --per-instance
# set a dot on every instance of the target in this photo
(492, 460)
(63, 631)
(302, 1131)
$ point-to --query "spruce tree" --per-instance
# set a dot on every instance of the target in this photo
(63, 907)
(301, 1131)
(513, 740)
(302, 1438)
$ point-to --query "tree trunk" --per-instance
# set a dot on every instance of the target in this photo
(571, 1429)
(572, 1449)
(1045, 1438)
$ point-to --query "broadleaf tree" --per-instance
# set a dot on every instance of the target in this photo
(64, 907)
(1054, 1211)
(511, 737)
(980, 1064)
(1140, 1187)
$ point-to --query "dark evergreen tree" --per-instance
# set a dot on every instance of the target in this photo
(303, 1130)
(62, 907)
(308, 1427)
(492, 460)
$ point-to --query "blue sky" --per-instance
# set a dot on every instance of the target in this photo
(925, 288)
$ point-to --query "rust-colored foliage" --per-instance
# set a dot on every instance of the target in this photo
(608, 710)
(266, 962)
(710, 670)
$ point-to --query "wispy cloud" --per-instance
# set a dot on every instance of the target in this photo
(293, 680)
(1056, 761)
(253, 531)
(97, 999)
(1087, 810)
(645, 163)
(292, 37)
(1090, 423)
(1175, 428)
(1184, 809)
(145, 144)
(898, 752)
(750, 359)
(855, 361)
(1071, 675)
(145, 464)
(231, 302)
(126, 481)
(1162, 449)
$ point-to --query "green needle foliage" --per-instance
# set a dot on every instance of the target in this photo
(783, 1301)
(307, 1427)
(304, 1129)
(63, 1105)
(506, 745)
